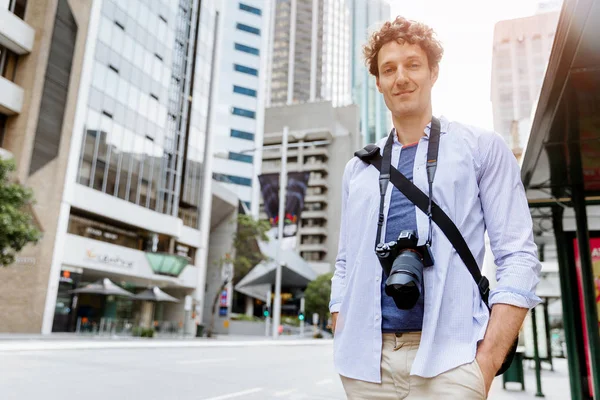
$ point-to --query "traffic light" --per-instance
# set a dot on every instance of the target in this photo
(301, 316)
(266, 311)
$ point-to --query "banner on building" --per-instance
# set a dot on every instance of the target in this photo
(297, 184)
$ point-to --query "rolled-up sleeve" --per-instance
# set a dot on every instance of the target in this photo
(509, 226)
(338, 286)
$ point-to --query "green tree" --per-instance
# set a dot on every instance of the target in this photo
(16, 223)
(317, 295)
(247, 253)
(247, 256)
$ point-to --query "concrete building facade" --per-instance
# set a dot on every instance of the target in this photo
(318, 235)
(520, 56)
(113, 136)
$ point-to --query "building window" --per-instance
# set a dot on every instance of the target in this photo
(250, 9)
(241, 157)
(247, 28)
(247, 49)
(242, 135)
(236, 180)
(244, 91)
(245, 70)
(243, 112)
(248, 204)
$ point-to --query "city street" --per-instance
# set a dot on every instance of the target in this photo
(210, 373)
(199, 370)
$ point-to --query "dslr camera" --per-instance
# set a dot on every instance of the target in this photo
(403, 261)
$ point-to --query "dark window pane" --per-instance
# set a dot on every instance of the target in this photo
(240, 157)
(249, 29)
(246, 49)
(242, 135)
(244, 91)
(245, 70)
(243, 112)
(250, 9)
(237, 180)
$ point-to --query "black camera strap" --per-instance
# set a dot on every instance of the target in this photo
(370, 154)
(386, 168)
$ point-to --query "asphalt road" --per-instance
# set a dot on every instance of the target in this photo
(253, 373)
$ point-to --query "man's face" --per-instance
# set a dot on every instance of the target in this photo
(405, 79)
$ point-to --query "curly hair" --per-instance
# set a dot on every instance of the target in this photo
(403, 30)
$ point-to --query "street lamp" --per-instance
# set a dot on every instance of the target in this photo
(276, 314)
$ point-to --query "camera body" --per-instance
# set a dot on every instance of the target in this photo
(403, 261)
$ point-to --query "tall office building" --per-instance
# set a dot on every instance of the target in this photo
(520, 56)
(240, 100)
(112, 134)
(375, 118)
(310, 52)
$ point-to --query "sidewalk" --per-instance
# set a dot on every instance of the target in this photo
(555, 384)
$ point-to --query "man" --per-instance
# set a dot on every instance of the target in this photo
(447, 346)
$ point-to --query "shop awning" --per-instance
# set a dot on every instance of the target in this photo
(103, 287)
(167, 264)
(296, 272)
(155, 294)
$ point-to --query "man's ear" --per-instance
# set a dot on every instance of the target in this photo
(434, 74)
(377, 83)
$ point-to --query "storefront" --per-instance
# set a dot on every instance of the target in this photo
(97, 250)
(561, 173)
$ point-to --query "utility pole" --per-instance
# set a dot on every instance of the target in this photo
(281, 217)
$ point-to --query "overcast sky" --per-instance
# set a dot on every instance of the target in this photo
(466, 30)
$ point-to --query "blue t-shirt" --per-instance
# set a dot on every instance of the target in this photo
(401, 216)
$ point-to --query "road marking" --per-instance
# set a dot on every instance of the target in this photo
(324, 382)
(285, 392)
(236, 394)
(205, 360)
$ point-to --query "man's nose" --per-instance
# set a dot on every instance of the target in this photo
(401, 77)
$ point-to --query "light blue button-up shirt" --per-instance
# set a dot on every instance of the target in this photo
(478, 185)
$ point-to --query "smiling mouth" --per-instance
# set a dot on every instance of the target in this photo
(404, 92)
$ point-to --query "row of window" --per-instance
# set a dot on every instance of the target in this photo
(237, 180)
(250, 9)
(241, 157)
(244, 91)
(242, 135)
(242, 112)
(247, 49)
(249, 29)
(245, 70)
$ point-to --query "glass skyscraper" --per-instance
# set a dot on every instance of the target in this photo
(375, 119)
(148, 107)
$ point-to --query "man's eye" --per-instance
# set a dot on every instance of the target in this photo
(414, 65)
(387, 71)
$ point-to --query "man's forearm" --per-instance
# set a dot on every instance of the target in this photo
(503, 328)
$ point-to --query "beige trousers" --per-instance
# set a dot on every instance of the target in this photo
(398, 353)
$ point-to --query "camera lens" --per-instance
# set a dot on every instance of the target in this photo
(404, 282)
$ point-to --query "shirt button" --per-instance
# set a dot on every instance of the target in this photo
(377, 278)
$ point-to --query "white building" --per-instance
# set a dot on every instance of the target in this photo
(109, 121)
(520, 56)
(240, 100)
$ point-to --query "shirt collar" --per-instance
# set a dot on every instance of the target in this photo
(444, 124)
